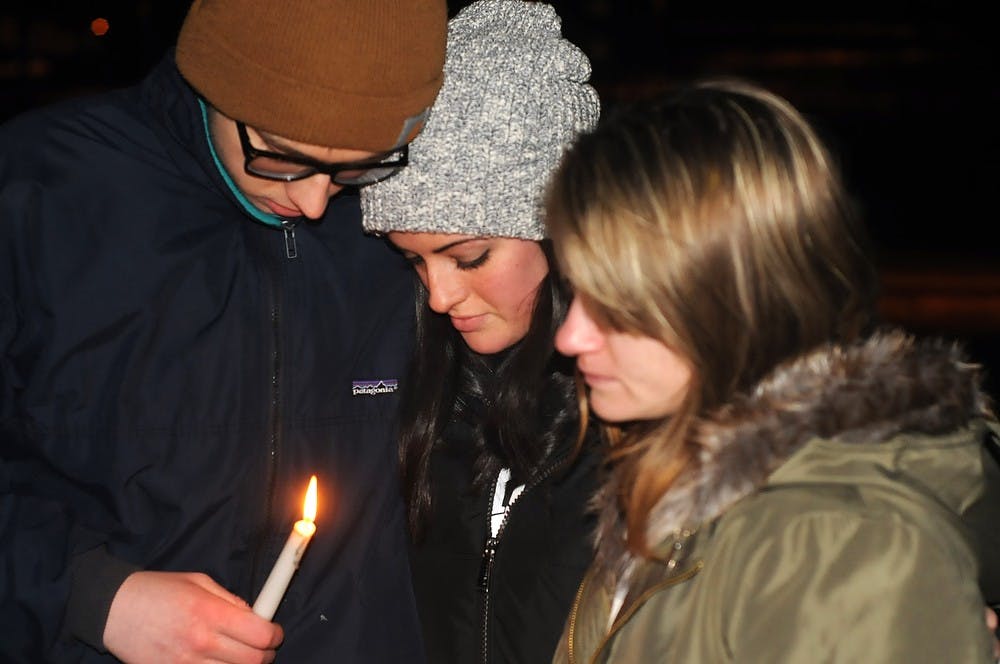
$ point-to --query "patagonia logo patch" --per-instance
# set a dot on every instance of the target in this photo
(373, 387)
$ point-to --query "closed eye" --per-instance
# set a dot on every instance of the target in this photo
(474, 263)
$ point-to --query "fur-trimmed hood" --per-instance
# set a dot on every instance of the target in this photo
(865, 393)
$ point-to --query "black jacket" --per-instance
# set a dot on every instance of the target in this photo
(542, 553)
(169, 380)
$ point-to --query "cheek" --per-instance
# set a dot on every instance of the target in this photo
(252, 187)
(653, 379)
(512, 287)
(247, 184)
(520, 299)
(668, 379)
(228, 149)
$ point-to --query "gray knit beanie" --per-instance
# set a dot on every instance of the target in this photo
(515, 96)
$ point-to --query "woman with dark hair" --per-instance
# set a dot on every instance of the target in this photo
(495, 474)
(786, 483)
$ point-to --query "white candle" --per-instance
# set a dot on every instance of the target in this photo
(288, 561)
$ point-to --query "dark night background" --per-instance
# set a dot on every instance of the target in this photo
(905, 92)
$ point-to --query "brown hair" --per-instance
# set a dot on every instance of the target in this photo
(716, 222)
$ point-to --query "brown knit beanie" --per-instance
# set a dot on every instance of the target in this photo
(334, 73)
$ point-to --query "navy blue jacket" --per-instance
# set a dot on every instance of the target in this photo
(169, 380)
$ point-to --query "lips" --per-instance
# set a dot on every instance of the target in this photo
(594, 379)
(468, 323)
(281, 210)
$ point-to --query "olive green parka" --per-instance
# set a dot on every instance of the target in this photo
(847, 509)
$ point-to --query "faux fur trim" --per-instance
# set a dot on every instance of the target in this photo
(867, 392)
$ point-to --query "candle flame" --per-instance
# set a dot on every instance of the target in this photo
(309, 506)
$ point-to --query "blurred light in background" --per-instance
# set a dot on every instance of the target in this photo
(100, 27)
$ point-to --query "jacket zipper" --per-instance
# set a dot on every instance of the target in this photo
(274, 442)
(571, 626)
(486, 566)
(490, 550)
(291, 250)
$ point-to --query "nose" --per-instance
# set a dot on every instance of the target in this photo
(311, 195)
(445, 288)
(579, 333)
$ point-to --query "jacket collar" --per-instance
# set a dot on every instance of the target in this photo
(174, 104)
(182, 115)
(867, 392)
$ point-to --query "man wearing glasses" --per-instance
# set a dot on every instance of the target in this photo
(187, 308)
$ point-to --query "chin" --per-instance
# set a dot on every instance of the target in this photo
(628, 412)
(486, 346)
(612, 416)
(616, 411)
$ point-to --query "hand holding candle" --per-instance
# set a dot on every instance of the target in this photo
(288, 561)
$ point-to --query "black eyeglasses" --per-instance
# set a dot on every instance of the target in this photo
(288, 168)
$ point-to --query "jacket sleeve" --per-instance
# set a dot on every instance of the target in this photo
(95, 577)
(34, 532)
(851, 587)
(48, 594)
(41, 541)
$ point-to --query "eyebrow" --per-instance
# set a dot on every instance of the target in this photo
(448, 246)
(277, 143)
(443, 248)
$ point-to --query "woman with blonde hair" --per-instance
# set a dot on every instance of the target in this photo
(786, 482)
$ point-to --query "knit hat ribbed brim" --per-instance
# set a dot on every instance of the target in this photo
(515, 96)
(333, 73)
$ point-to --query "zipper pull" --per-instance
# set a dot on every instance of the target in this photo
(291, 250)
(486, 568)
